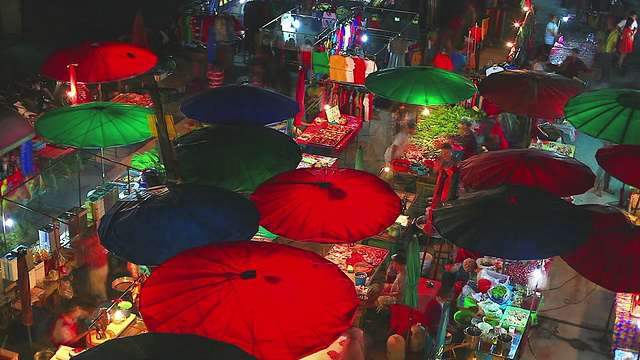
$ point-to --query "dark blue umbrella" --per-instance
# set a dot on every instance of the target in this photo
(152, 226)
(232, 104)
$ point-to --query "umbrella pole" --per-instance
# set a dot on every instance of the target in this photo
(79, 184)
(527, 133)
(102, 163)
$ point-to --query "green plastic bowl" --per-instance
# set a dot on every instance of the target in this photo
(463, 318)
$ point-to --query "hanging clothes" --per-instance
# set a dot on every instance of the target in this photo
(350, 67)
(320, 62)
(397, 48)
(337, 68)
(359, 70)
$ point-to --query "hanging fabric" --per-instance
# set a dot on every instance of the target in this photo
(300, 92)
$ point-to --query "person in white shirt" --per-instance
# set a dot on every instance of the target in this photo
(551, 32)
(634, 25)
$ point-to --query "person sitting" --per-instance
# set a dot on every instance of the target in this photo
(541, 62)
(433, 313)
(65, 330)
(572, 65)
(392, 293)
(468, 139)
(491, 136)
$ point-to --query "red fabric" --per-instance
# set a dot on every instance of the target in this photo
(353, 206)
(73, 326)
(530, 93)
(558, 174)
(300, 90)
(476, 33)
(490, 108)
(626, 42)
(401, 314)
(249, 294)
(89, 251)
(443, 61)
(139, 34)
(616, 160)
(99, 61)
(610, 257)
(360, 66)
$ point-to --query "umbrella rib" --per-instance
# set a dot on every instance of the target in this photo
(626, 126)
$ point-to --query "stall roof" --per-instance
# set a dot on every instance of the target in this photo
(14, 129)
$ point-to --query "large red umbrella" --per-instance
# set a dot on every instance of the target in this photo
(558, 174)
(530, 93)
(273, 301)
(99, 61)
(326, 205)
(611, 256)
(621, 162)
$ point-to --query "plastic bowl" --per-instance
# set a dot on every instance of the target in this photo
(502, 300)
(484, 285)
(400, 165)
(463, 318)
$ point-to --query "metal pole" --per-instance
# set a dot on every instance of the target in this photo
(4, 227)
(102, 163)
(165, 147)
(79, 184)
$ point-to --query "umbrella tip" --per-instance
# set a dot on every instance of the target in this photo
(248, 274)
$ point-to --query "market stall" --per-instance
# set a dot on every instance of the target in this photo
(312, 160)
(626, 338)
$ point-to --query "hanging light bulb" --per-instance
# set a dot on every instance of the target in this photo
(510, 44)
(8, 222)
(517, 24)
(525, 8)
(364, 38)
(296, 23)
(565, 18)
(426, 111)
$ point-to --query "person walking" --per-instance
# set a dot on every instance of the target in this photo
(551, 33)
(609, 52)
(626, 41)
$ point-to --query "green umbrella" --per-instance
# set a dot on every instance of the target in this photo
(413, 272)
(359, 159)
(442, 330)
(95, 125)
(608, 114)
(420, 85)
(238, 157)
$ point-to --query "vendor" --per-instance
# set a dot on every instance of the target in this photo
(490, 135)
(468, 139)
(433, 313)
(66, 330)
(404, 134)
(392, 293)
(446, 160)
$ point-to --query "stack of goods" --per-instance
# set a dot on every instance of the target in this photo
(330, 136)
(585, 43)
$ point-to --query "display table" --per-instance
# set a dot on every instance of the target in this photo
(402, 316)
(339, 140)
(344, 255)
(134, 98)
(314, 161)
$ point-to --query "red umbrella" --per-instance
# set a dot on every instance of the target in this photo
(273, 301)
(558, 174)
(99, 61)
(611, 256)
(326, 205)
(530, 93)
(617, 160)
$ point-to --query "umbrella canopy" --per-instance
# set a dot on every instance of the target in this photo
(231, 104)
(420, 85)
(326, 205)
(271, 300)
(15, 129)
(513, 222)
(611, 256)
(99, 61)
(617, 160)
(238, 157)
(530, 93)
(150, 227)
(160, 346)
(414, 267)
(95, 125)
(558, 174)
(610, 114)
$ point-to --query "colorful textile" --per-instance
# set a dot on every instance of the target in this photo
(625, 327)
(320, 62)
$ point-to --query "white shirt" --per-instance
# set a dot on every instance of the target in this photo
(622, 23)
(550, 33)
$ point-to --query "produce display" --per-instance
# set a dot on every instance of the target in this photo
(344, 255)
(515, 317)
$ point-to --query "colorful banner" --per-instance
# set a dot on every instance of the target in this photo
(12, 188)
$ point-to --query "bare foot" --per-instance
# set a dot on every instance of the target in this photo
(608, 191)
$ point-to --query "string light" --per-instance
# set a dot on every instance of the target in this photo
(525, 8)
(386, 169)
(565, 18)
(516, 24)
(510, 44)
(364, 38)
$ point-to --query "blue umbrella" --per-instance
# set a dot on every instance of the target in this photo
(232, 104)
(154, 225)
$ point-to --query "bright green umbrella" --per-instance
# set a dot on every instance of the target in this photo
(608, 114)
(95, 125)
(413, 272)
(238, 157)
(420, 85)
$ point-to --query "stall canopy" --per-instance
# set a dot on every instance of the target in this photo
(273, 301)
(617, 160)
(238, 157)
(611, 256)
(420, 85)
(513, 222)
(326, 205)
(530, 93)
(558, 174)
(151, 226)
(232, 104)
(14, 129)
(158, 346)
(608, 114)
(99, 61)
